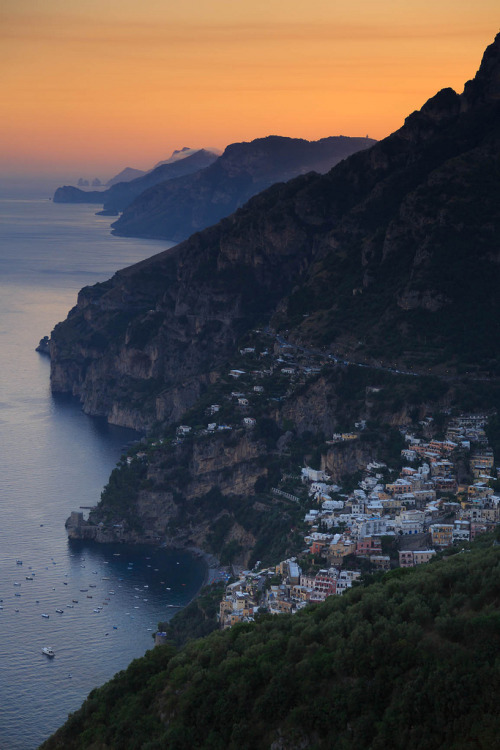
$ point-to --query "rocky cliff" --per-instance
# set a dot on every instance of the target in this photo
(166, 492)
(175, 210)
(391, 257)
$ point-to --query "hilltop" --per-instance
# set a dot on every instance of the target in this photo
(408, 662)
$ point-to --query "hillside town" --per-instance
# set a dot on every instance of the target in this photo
(440, 496)
(381, 524)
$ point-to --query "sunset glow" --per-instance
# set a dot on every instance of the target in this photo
(88, 88)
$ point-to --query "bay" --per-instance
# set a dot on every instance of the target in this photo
(54, 460)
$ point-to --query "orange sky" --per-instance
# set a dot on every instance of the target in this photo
(90, 87)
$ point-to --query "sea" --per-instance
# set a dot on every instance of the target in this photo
(97, 606)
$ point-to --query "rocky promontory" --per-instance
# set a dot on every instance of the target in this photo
(120, 194)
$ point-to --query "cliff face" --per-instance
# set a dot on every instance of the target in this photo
(347, 458)
(393, 256)
(169, 496)
(139, 347)
(176, 209)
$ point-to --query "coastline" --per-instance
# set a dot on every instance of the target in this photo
(215, 572)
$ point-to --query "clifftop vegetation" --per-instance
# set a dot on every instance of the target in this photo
(407, 662)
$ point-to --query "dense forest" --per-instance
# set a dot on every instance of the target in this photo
(410, 661)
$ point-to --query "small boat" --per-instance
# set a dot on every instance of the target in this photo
(59, 611)
(19, 562)
(29, 578)
(75, 601)
(70, 606)
(45, 615)
(65, 583)
(17, 584)
(48, 651)
(83, 590)
(92, 585)
(89, 596)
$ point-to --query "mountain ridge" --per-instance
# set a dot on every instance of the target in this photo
(376, 260)
(174, 211)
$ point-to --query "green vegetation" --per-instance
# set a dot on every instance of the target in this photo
(408, 662)
(196, 620)
(119, 496)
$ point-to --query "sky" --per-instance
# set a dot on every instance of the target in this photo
(87, 88)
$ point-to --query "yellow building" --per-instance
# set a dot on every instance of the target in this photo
(441, 534)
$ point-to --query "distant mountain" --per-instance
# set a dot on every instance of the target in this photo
(175, 210)
(391, 258)
(121, 194)
(181, 153)
(127, 174)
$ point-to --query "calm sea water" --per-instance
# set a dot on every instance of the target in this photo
(53, 460)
